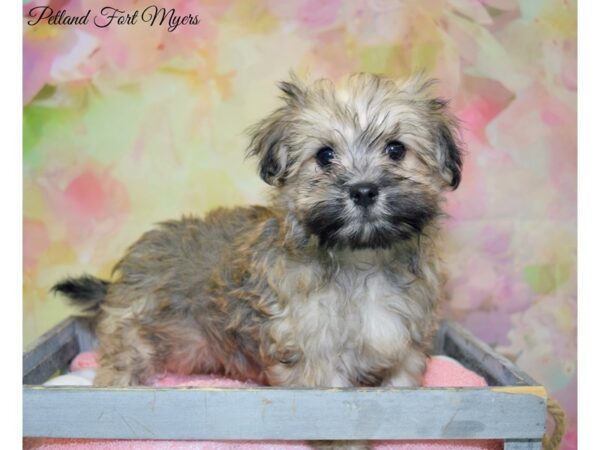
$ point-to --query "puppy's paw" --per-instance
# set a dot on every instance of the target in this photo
(106, 377)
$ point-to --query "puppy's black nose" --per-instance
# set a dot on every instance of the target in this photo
(364, 194)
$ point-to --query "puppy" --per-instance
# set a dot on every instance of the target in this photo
(335, 284)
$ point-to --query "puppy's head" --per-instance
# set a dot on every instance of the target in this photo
(362, 166)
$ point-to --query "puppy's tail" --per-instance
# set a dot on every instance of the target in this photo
(86, 292)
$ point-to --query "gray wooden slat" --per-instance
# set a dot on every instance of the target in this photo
(440, 337)
(523, 444)
(273, 413)
(52, 339)
(50, 352)
(85, 334)
(475, 355)
(51, 363)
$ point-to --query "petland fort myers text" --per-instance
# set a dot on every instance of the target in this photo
(110, 16)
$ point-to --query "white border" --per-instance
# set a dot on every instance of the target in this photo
(588, 223)
(588, 220)
(11, 187)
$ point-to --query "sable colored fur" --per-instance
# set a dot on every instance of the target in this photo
(334, 284)
(85, 292)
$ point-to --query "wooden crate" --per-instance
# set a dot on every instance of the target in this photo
(512, 408)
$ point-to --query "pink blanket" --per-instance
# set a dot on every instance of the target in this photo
(441, 372)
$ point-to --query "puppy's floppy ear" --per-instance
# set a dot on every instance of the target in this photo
(448, 146)
(268, 136)
(267, 145)
(448, 143)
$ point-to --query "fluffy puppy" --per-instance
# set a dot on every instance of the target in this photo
(334, 284)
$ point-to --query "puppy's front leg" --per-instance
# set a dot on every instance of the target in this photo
(409, 371)
(314, 374)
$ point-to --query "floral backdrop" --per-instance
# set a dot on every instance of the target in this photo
(128, 125)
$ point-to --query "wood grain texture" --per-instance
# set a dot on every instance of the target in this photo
(271, 413)
(540, 391)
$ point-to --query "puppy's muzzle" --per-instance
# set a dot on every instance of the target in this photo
(364, 194)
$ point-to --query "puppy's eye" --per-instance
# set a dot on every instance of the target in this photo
(395, 150)
(325, 156)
